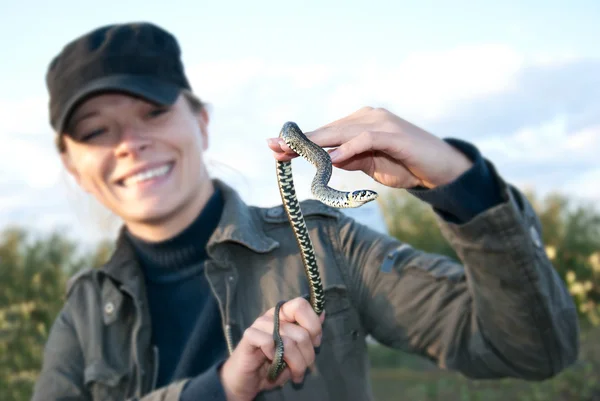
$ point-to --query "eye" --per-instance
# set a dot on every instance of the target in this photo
(91, 134)
(155, 112)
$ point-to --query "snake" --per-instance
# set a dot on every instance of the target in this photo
(293, 136)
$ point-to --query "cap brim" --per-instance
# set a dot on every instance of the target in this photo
(148, 88)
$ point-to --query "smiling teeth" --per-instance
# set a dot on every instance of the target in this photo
(148, 174)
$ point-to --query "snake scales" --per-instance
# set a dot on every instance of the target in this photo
(299, 143)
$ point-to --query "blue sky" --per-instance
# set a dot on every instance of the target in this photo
(324, 31)
(518, 80)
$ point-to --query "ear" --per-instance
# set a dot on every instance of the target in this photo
(67, 162)
(203, 119)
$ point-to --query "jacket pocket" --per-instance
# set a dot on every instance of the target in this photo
(342, 325)
(105, 382)
(439, 267)
(343, 359)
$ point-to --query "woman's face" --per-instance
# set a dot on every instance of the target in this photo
(143, 162)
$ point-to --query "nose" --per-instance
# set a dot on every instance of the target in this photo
(131, 141)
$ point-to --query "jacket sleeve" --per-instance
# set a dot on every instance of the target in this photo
(502, 311)
(62, 374)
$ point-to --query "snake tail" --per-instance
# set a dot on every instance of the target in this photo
(278, 365)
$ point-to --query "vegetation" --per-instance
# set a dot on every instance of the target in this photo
(571, 233)
(34, 270)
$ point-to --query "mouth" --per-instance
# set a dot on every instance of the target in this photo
(147, 175)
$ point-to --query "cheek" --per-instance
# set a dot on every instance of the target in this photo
(94, 170)
(190, 142)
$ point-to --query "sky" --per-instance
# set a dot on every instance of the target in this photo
(520, 81)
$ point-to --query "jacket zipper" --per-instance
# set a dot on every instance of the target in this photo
(228, 332)
(225, 308)
(134, 337)
(228, 338)
(156, 361)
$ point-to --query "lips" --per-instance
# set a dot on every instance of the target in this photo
(146, 174)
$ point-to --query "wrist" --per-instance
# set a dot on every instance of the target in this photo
(230, 395)
(457, 164)
(228, 383)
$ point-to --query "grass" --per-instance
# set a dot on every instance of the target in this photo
(421, 382)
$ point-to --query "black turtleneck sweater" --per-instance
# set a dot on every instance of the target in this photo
(186, 323)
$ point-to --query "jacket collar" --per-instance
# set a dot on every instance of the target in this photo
(239, 224)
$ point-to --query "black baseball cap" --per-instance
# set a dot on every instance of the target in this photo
(140, 59)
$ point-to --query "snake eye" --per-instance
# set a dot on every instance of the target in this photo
(364, 195)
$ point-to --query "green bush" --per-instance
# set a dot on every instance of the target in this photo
(33, 273)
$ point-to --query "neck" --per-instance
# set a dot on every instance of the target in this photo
(169, 259)
(169, 226)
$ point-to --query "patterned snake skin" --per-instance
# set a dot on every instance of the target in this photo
(299, 143)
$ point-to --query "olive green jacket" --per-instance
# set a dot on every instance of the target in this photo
(502, 312)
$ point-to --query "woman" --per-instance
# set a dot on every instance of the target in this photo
(184, 308)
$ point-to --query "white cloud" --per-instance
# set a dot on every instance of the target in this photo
(31, 160)
(586, 184)
(426, 85)
(24, 116)
(550, 142)
(223, 81)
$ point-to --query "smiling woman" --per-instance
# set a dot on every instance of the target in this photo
(184, 308)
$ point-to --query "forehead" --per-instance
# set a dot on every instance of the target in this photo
(102, 101)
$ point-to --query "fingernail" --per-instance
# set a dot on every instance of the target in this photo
(335, 154)
(271, 141)
(319, 338)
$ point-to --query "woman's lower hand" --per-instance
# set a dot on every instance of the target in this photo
(244, 374)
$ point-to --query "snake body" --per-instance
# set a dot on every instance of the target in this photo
(318, 157)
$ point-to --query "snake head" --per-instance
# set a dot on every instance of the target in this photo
(362, 196)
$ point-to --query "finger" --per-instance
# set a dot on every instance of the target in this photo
(283, 377)
(281, 151)
(255, 340)
(339, 131)
(294, 359)
(342, 130)
(262, 341)
(278, 145)
(273, 143)
(284, 157)
(330, 136)
(386, 171)
(326, 137)
(356, 163)
(297, 333)
(366, 141)
(299, 310)
(296, 363)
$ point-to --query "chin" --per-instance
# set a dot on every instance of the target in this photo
(152, 212)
